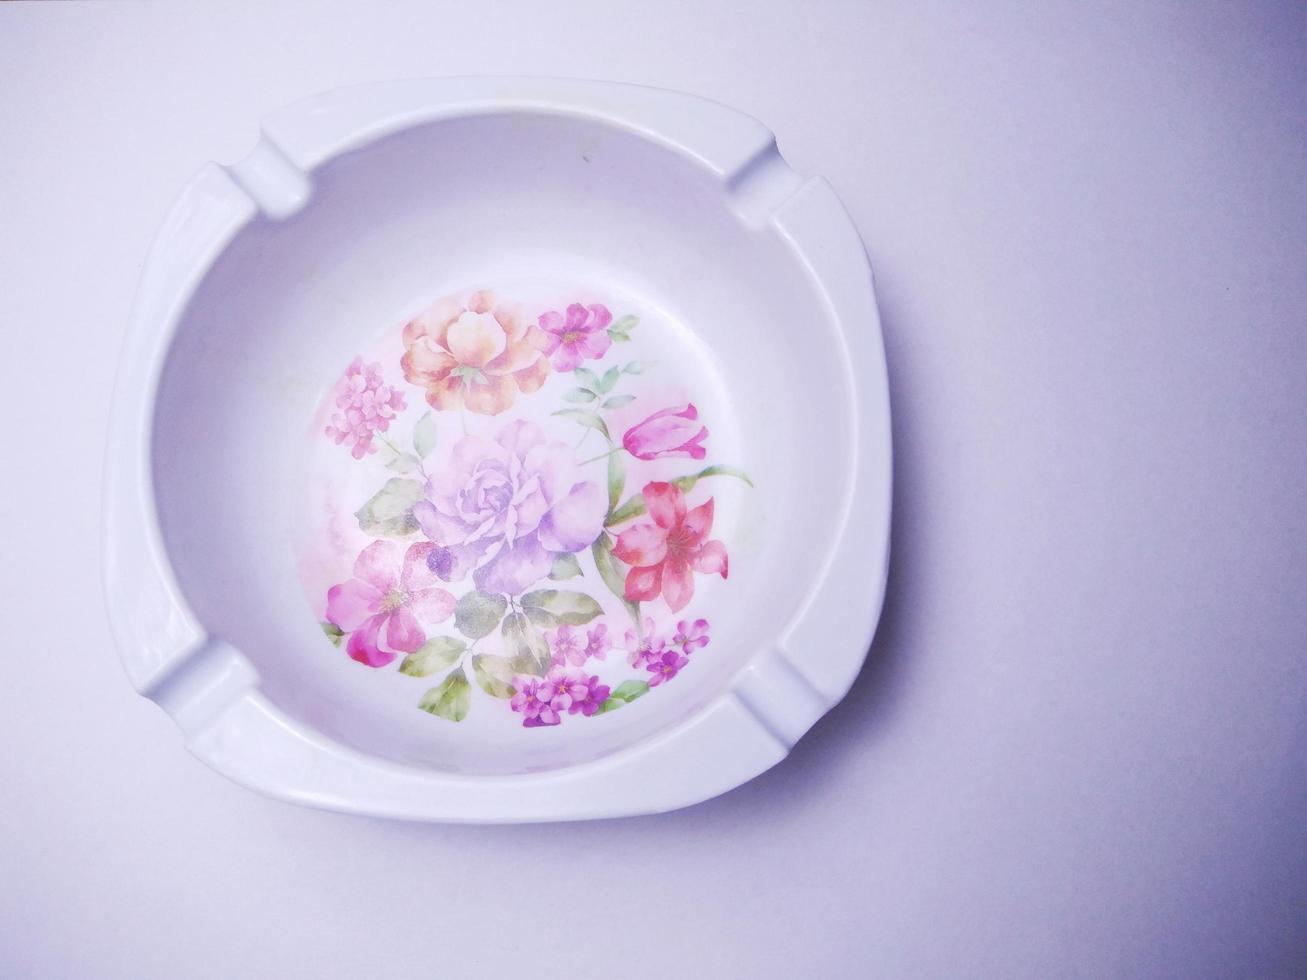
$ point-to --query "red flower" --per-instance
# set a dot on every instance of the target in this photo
(665, 555)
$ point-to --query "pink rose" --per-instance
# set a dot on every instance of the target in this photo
(671, 432)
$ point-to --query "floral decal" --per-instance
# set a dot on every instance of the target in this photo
(581, 334)
(508, 506)
(386, 593)
(475, 355)
(665, 554)
(491, 542)
(671, 432)
(364, 406)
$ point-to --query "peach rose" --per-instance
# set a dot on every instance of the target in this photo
(476, 355)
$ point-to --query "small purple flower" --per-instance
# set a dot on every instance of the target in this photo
(556, 689)
(640, 653)
(689, 636)
(597, 642)
(666, 667)
(567, 645)
(533, 702)
(588, 695)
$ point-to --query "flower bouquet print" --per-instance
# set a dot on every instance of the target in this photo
(515, 512)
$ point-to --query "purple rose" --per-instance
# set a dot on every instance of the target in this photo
(505, 508)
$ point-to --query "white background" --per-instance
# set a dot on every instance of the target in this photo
(1078, 748)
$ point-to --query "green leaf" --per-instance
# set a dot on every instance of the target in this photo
(573, 608)
(424, 435)
(436, 654)
(494, 675)
(686, 482)
(390, 513)
(608, 380)
(636, 367)
(616, 479)
(450, 698)
(634, 507)
(622, 327)
(586, 377)
(602, 551)
(334, 633)
(624, 694)
(544, 620)
(404, 463)
(579, 395)
(617, 401)
(478, 613)
(628, 691)
(565, 566)
(528, 651)
(585, 417)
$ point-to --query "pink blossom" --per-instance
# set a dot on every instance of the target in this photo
(671, 432)
(641, 652)
(568, 645)
(556, 689)
(587, 694)
(390, 592)
(571, 691)
(365, 404)
(597, 642)
(533, 703)
(691, 635)
(571, 645)
(579, 335)
(666, 667)
(665, 554)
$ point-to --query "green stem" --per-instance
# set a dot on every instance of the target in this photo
(399, 452)
(595, 459)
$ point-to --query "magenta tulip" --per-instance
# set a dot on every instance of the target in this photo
(671, 432)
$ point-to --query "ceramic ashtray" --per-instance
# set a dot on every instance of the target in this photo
(500, 450)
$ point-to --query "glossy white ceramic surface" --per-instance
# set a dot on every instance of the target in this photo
(359, 205)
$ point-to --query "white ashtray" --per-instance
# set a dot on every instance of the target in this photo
(500, 450)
